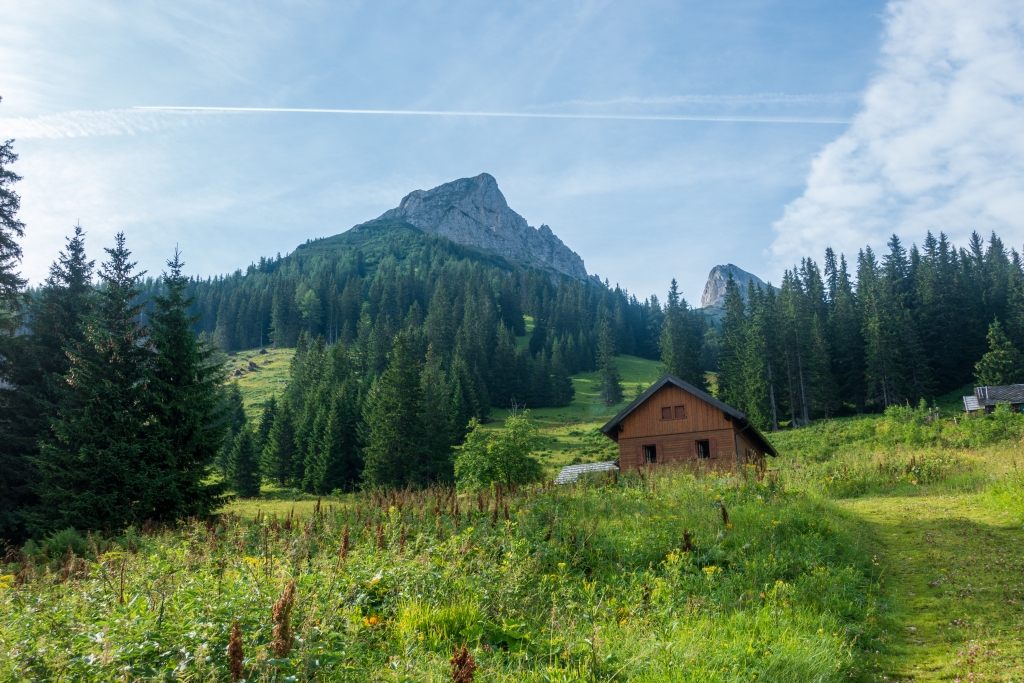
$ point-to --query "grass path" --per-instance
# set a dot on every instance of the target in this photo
(954, 566)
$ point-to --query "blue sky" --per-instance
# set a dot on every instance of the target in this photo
(640, 201)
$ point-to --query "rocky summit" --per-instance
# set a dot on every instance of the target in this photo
(714, 290)
(472, 211)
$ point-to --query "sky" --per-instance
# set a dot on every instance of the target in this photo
(742, 131)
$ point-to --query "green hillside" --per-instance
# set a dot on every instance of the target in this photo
(571, 432)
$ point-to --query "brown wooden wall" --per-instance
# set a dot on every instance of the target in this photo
(646, 419)
(675, 437)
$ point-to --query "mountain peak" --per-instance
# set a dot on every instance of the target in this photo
(714, 290)
(473, 211)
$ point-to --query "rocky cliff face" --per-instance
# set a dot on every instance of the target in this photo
(714, 290)
(472, 211)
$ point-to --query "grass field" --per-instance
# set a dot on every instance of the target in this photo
(268, 378)
(876, 548)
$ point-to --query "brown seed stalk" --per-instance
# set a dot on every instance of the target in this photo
(236, 654)
(463, 666)
(283, 637)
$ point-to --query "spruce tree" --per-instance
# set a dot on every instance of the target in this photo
(185, 393)
(279, 452)
(436, 411)
(730, 364)
(608, 378)
(394, 454)
(1002, 363)
(266, 423)
(681, 336)
(233, 410)
(562, 389)
(20, 421)
(98, 473)
(244, 465)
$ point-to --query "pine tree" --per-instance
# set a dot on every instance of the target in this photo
(36, 364)
(244, 465)
(280, 452)
(609, 380)
(562, 388)
(394, 454)
(1002, 363)
(266, 423)
(20, 421)
(730, 365)
(233, 410)
(185, 393)
(438, 436)
(11, 283)
(681, 340)
(98, 473)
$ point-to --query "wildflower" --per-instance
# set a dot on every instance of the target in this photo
(372, 620)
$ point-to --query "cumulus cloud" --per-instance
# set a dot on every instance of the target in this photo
(938, 143)
(78, 124)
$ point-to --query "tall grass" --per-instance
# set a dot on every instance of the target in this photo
(592, 582)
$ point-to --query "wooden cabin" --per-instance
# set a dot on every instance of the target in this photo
(675, 422)
(985, 399)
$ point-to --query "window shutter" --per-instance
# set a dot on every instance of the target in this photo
(713, 443)
(661, 453)
(639, 455)
(693, 450)
(680, 412)
(666, 413)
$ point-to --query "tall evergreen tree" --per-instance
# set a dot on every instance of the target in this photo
(730, 370)
(185, 393)
(233, 410)
(1002, 363)
(98, 473)
(18, 415)
(394, 454)
(279, 452)
(244, 465)
(609, 379)
(436, 411)
(681, 336)
(266, 423)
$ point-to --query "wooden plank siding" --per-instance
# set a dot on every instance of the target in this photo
(675, 437)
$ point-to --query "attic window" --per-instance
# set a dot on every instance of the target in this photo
(666, 413)
(680, 412)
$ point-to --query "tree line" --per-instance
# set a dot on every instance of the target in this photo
(909, 326)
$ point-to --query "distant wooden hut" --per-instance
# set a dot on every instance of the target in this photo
(985, 399)
(675, 422)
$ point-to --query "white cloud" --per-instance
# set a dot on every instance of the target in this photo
(80, 124)
(938, 144)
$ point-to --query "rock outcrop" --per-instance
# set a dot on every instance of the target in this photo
(714, 290)
(472, 211)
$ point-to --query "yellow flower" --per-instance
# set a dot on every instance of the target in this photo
(775, 521)
(372, 620)
(561, 565)
(729, 525)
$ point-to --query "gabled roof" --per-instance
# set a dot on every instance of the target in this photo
(702, 395)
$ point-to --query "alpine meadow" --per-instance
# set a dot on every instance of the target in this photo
(436, 446)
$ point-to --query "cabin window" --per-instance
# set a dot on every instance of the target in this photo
(650, 454)
(666, 413)
(680, 412)
(703, 449)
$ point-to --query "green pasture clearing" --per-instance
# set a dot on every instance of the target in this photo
(268, 378)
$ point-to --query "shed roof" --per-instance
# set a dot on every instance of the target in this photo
(730, 412)
(971, 403)
(1007, 393)
(571, 473)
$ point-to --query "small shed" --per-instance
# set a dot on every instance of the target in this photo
(985, 399)
(675, 422)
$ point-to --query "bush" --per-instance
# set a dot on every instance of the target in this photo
(60, 542)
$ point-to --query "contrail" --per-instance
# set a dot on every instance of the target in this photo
(512, 115)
